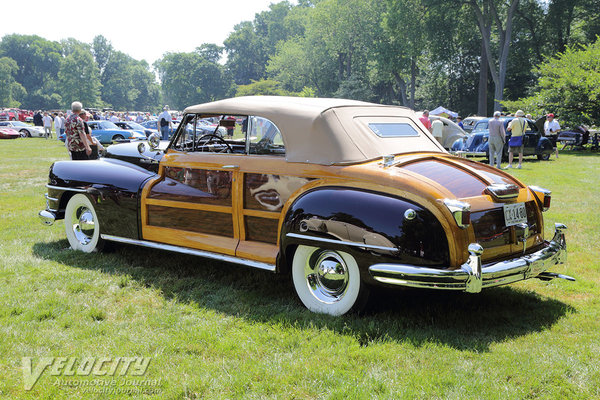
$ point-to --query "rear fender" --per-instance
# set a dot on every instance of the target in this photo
(371, 226)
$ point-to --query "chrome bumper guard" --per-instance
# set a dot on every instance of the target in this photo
(472, 277)
(47, 217)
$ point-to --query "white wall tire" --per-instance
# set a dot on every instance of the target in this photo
(81, 224)
(327, 281)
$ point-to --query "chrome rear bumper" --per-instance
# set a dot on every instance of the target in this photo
(472, 277)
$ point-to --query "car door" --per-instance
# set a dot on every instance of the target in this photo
(530, 139)
(226, 202)
(192, 202)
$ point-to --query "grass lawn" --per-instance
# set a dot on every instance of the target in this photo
(214, 330)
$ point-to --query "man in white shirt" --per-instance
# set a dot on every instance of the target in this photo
(114, 118)
(165, 122)
(59, 125)
(551, 129)
(437, 130)
(47, 120)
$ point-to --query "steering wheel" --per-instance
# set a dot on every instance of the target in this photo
(211, 138)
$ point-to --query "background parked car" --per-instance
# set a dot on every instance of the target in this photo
(24, 129)
(153, 124)
(469, 123)
(107, 132)
(476, 144)
(134, 126)
(451, 133)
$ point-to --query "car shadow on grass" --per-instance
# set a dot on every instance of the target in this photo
(458, 320)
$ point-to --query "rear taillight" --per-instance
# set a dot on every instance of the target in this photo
(544, 196)
(461, 212)
(547, 199)
(466, 218)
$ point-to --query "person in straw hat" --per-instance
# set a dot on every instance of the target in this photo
(517, 127)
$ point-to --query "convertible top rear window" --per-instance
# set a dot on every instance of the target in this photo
(394, 129)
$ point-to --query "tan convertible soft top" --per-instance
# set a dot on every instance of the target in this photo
(328, 131)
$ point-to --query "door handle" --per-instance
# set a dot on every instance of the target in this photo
(230, 166)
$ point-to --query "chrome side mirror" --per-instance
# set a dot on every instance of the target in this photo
(153, 141)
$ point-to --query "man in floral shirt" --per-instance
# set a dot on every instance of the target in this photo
(76, 140)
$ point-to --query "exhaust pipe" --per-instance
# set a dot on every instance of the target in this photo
(548, 276)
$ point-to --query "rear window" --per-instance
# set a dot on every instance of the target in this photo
(387, 130)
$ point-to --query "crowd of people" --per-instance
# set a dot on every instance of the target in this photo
(82, 145)
(497, 134)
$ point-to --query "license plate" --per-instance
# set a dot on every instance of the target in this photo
(515, 214)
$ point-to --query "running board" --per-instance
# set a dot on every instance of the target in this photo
(193, 252)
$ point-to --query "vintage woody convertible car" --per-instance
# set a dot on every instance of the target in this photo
(341, 195)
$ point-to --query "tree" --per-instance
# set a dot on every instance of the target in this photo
(251, 43)
(192, 78)
(79, 79)
(10, 90)
(38, 61)
(405, 29)
(568, 85)
(486, 10)
(264, 87)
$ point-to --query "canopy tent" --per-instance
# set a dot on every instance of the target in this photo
(444, 112)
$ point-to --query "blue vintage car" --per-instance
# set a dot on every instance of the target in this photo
(476, 144)
(107, 132)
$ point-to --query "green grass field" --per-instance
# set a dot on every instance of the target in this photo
(214, 330)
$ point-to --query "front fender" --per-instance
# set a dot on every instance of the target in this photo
(371, 226)
(113, 187)
(458, 145)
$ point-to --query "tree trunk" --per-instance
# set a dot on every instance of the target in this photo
(413, 82)
(483, 80)
(504, 34)
(402, 87)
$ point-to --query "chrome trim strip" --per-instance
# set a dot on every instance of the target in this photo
(496, 189)
(342, 242)
(472, 277)
(468, 153)
(50, 198)
(67, 188)
(193, 252)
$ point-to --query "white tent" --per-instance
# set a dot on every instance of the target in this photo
(441, 110)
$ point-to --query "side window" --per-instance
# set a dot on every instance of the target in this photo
(531, 128)
(264, 137)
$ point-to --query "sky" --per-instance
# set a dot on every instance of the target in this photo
(142, 29)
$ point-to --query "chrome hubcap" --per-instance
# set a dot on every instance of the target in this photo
(327, 276)
(83, 225)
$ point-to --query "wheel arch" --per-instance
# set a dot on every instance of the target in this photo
(337, 217)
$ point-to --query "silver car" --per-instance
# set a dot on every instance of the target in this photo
(24, 129)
